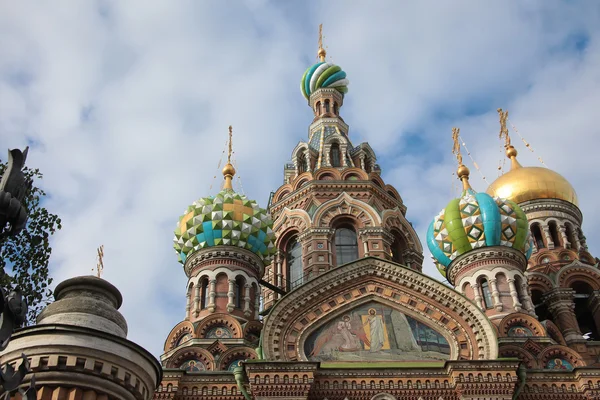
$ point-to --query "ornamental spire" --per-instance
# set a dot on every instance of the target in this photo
(321, 53)
(511, 152)
(228, 170)
(463, 171)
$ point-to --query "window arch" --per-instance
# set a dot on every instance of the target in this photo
(554, 233)
(335, 108)
(293, 258)
(326, 106)
(346, 245)
(204, 295)
(536, 232)
(318, 108)
(487, 295)
(398, 247)
(335, 155)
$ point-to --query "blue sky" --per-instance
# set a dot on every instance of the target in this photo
(126, 106)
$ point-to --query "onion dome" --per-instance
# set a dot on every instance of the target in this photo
(476, 220)
(323, 74)
(522, 184)
(228, 219)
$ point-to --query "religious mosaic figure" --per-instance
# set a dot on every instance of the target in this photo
(376, 330)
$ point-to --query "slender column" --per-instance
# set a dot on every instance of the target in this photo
(279, 283)
(477, 296)
(247, 300)
(514, 294)
(211, 295)
(548, 237)
(563, 234)
(343, 156)
(496, 295)
(296, 166)
(307, 156)
(365, 246)
(230, 305)
(560, 304)
(527, 303)
(197, 300)
(327, 151)
(362, 162)
(188, 304)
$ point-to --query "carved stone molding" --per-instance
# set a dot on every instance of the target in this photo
(488, 256)
(225, 254)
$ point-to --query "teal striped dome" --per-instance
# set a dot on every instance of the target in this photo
(323, 75)
(476, 220)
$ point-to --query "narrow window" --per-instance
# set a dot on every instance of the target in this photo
(335, 155)
(326, 106)
(335, 108)
(487, 296)
(346, 246)
(239, 291)
(204, 296)
(294, 263)
(554, 233)
(537, 236)
(318, 108)
(302, 163)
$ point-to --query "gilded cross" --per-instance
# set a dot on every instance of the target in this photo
(503, 129)
(456, 147)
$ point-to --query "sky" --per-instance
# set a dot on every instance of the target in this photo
(126, 105)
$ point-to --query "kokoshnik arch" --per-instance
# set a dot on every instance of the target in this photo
(321, 295)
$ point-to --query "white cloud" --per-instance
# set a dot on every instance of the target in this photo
(129, 103)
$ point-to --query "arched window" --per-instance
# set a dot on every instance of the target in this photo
(239, 291)
(346, 246)
(302, 167)
(318, 108)
(398, 247)
(554, 233)
(326, 106)
(487, 296)
(583, 313)
(335, 155)
(294, 263)
(204, 295)
(536, 232)
(335, 108)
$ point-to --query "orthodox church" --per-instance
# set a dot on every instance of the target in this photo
(321, 295)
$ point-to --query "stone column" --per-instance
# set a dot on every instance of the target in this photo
(527, 303)
(549, 241)
(230, 304)
(307, 156)
(212, 294)
(477, 296)
(247, 312)
(296, 166)
(514, 294)
(560, 304)
(279, 282)
(496, 295)
(563, 234)
(188, 304)
(197, 300)
(343, 155)
(362, 162)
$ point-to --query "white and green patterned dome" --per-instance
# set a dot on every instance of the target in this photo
(229, 219)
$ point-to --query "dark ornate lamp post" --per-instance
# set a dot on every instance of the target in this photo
(13, 308)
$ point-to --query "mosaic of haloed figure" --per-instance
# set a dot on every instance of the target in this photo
(375, 332)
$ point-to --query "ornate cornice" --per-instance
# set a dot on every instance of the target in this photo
(212, 255)
(552, 205)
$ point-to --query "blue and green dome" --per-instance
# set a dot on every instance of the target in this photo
(476, 220)
(229, 219)
(323, 75)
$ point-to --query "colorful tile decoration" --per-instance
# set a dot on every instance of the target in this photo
(229, 218)
(473, 221)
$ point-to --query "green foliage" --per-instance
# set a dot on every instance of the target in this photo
(25, 257)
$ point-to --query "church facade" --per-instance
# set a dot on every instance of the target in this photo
(347, 312)
(321, 295)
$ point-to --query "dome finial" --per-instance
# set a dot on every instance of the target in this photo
(228, 170)
(511, 152)
(463, 171)
(321, 53)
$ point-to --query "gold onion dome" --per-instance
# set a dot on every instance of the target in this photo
(522, 184)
